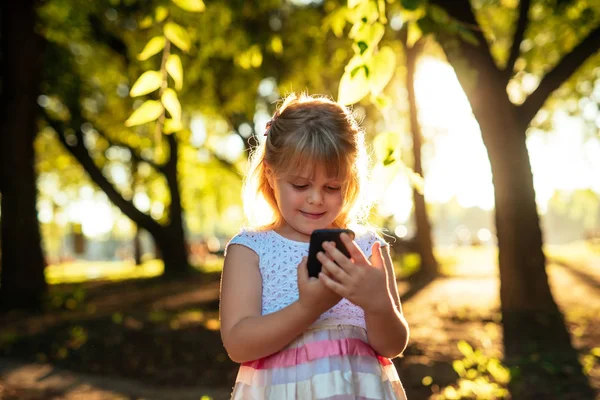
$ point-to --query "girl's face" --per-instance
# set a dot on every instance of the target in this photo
(307, 202)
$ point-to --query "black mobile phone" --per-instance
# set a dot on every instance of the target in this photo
(316, 244)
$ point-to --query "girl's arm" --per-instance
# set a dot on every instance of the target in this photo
(387, 329)
(247, 335)
(370, 284)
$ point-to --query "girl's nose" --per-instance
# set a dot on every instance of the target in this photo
(315, 197)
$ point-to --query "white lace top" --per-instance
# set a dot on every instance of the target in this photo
(278, 264)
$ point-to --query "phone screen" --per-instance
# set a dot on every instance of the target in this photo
(316, 244)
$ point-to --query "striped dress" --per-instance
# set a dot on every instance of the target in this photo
(332, 359)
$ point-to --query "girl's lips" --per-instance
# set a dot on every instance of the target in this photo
(312, 216)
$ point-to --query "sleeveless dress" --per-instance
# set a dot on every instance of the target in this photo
(332, 359)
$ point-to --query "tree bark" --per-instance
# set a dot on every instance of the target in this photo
(137, 247)
(22, 280)
(532, 322)
(173, 247)
(429, 265)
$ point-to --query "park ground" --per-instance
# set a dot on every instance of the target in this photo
(146, 339)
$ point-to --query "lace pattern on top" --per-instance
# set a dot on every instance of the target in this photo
(278, 261)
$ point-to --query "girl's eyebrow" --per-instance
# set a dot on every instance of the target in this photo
(308, 178)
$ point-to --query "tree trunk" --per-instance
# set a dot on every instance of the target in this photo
(137, 247)
(173, 252)
(22, 280)
(527, 303)
(173, 244)
(534, 328)
(429, 265)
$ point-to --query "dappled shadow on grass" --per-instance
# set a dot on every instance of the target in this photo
(21, 381)
(582, 276)
(156, 332)
(146, 347)
(166, 333)
(134, 349)
(543, 360)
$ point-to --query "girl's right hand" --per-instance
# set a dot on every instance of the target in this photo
(315, 297)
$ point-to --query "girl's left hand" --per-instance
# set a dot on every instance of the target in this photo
(362, 282)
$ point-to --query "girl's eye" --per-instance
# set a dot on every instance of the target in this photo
(333, 188)
(299, 187)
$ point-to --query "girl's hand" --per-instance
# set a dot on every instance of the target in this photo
(315, 297)
(362, 282)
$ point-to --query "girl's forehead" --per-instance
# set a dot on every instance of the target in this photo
(313, 172)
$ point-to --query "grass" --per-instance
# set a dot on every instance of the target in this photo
(167, 333)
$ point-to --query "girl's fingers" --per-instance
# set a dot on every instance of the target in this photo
(334, 286)
(355, 253)
(302, 271)
(376, 256)
(331, 268)
(340, 259)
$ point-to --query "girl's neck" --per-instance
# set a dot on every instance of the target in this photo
(290, 233)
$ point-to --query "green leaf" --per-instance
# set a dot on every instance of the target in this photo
(414, 34)
(172, 125)
(353, 88)
(382, 69)
(175, 69)
(498, 371)
(161, 13)
(276, 44)
(368, 33)
(389, 159)
(364, 12)
(148, 82)
(354, 3)
(171, 103)
(191, 5)
(362, 47)
(251, 58)
(153, 46)
(415, 180)
(146, 22)
(149, 111)
(412, 15)
(386, 145)
(355, 62)
(336, 21)
(459, 367)
(381, 101)
(381, 8)
(178, 36)
(438, 14)
(465, 348)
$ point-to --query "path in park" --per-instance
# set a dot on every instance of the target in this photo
(438, 315)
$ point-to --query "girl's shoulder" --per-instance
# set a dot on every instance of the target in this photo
(365, 237)
(254, 239)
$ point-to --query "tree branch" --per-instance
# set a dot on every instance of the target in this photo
(227, 164)
(558, 75)
(522, 23)
(79, 151)
(462, 11)
(134, 152)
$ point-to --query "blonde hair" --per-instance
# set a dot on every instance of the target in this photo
(308, 130)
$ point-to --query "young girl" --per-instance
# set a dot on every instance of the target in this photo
(297, 337)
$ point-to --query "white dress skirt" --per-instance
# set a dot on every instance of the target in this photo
(327, 362)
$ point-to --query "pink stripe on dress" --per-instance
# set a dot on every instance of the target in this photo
(316, 350)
